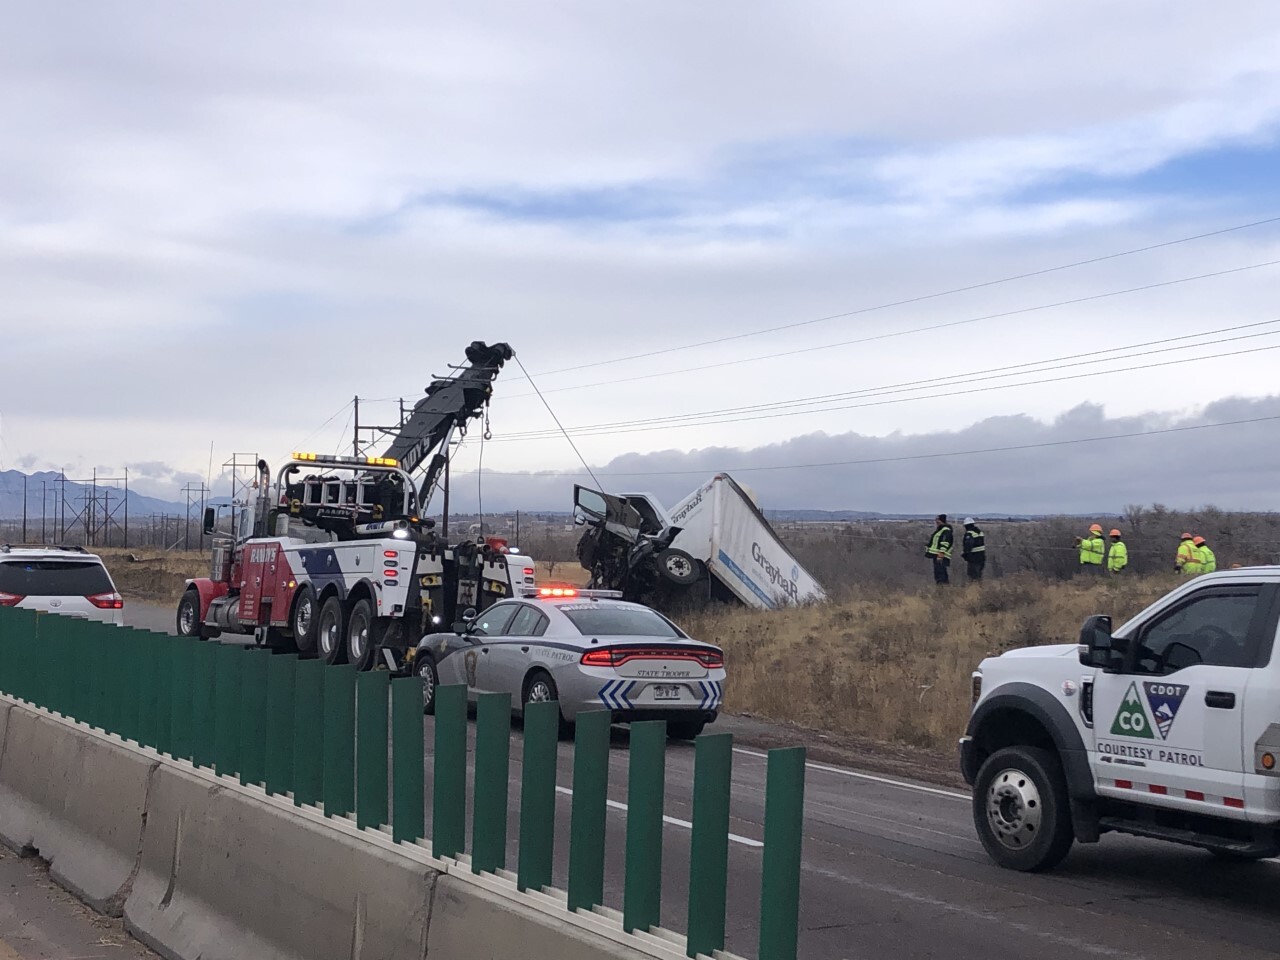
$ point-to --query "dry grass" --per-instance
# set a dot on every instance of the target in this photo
(895, 666)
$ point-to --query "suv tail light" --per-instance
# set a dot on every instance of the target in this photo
(10, 599)
(107, 601)
(616, 656)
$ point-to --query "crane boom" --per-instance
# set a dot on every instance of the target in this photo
(448, 405)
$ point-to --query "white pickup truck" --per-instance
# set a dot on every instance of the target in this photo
(1168, 727)
(715, 542)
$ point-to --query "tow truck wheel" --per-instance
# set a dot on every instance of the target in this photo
(360, 645)
(189, 614)
(678, 566)
(305, 620)
(1021, 810)
(331, 632)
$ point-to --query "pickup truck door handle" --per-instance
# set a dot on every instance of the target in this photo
(524, 649)
(1221, 699)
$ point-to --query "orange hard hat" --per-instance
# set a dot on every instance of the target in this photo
(1198, 540)
(1115, 533)
(1186, 536)
(1096, 528)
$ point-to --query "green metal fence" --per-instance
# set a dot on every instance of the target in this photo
(322, 736)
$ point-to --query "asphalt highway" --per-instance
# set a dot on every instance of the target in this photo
(891, 868)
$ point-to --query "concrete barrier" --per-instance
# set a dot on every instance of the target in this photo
(206, 869)
(77, 800)
(228, 875)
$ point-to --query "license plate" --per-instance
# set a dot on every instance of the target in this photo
(666, 691)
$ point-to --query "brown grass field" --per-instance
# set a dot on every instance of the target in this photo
(895, 666)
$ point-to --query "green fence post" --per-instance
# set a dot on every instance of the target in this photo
(493, 767)
(202, 704)
(64, 690)
(709, 849)
(780, 868)
(163, 706)
(282, 673)
(339, 740)
(180, 701)
(253, 716)
(371, 748)
(146, 642)
(449, 777)
(229, 661)
(587, 816)
(538, 796)
(408, 796)
(39, 686)
(308, 732)
(646, 770)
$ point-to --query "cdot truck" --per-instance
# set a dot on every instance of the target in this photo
(1167, 727)
(715, 543)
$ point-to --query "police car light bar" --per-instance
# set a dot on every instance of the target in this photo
(563, 592)
(348, 461)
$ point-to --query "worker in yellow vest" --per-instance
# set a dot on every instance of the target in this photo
(1204, 556)
(1093, 550)
(1118, 555)
(1186, 557)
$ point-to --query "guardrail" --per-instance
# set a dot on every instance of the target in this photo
(352, 744)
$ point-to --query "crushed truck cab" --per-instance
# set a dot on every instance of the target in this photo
(1168, 728)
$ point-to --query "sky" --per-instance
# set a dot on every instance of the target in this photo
(218, 224)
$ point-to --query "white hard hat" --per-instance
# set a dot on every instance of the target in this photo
(969, 520)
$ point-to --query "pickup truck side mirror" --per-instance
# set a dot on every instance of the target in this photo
(210, 520)
(1095, 642)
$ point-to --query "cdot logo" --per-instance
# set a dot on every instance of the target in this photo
(1131, 719)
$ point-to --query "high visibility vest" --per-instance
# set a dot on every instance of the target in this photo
(1118, 557)
(1186, 557)
(1206, 558)
(1092, 550)
(940, 544)
(975, 544)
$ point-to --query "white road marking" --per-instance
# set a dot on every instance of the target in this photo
(866, 776)
(674, 821)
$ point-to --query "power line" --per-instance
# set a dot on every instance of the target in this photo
(901, 459)
(557, 420)
(932, 396)
(918, 299)
(903, 333)
(1011, 370)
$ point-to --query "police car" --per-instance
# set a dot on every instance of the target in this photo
(586, 649)
(1167, 728)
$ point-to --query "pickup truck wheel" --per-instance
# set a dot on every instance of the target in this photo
(330, 632)
(1021, 809)
(678, 566)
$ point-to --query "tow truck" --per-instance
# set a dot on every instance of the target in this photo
(1164, 728)
(333, 556)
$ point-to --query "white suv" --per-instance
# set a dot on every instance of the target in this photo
(64, 580)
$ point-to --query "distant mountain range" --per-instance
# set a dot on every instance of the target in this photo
(11, 496)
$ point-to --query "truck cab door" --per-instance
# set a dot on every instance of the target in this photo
(1168, 727)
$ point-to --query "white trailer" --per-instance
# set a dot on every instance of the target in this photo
(716, 536)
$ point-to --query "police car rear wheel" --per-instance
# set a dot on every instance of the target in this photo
(1021, 810)
(540, 688)
(425, 668)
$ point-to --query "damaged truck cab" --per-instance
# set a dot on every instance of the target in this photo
(1165, 728)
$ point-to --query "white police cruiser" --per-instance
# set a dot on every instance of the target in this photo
(586, 649)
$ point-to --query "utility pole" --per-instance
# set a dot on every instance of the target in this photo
(24, 508)
(355, 427)
(44, 501)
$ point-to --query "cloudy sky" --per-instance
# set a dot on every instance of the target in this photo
(712, 232)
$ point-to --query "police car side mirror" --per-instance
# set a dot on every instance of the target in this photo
(1095, 642)
(460, 627)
